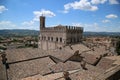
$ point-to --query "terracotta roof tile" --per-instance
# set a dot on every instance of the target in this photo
(67, 66)
(90, 58)
(29, 68)
(105, 63)
(91, 74)
(14, 55)
(61, 55)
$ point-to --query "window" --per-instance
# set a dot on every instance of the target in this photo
(51, 38)
(48, 38)
(71, 40)
(60, 39)
(74, 40)
(57, 39)
(44, 38)
(77, 39)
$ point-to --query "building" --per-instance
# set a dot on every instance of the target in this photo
(58, 36)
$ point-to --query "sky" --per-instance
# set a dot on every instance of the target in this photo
(92, 15)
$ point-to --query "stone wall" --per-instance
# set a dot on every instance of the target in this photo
(47, 45)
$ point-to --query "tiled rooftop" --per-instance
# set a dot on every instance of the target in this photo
(27, 62)
(91, 73)
(67, 66)
(105, 63)
(75, 47)
(90, 58)
(14, 55)
(29, 68)
(62, 55)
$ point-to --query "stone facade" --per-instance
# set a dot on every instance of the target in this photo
(58, 36)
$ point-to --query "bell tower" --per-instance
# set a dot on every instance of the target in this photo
(42, 22)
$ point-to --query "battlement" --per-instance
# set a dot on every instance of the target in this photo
(62, 28)
(57, 28)
(73, 28)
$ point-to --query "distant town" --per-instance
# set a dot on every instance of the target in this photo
(20, 38)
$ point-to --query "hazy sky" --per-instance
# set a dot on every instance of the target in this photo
(93, 15)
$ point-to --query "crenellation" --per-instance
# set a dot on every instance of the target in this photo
(53, 29)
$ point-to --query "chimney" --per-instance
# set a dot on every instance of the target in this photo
(83, 65)
(66, 75)
(4, 59)
(42, 22)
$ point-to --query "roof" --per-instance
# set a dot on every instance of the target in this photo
(80, 47)
(115, 58)
(105, 63)
(67, 66)
(26, 62)
(62, 55)
(29, 68)
(14, 55)
(91, 73)
(90, 57)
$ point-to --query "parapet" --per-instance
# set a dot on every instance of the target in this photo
(62, 28)
(74, 28)
(58, 28)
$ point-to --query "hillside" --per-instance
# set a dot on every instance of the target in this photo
(19, 32)
(23, 32)
(101, 33)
